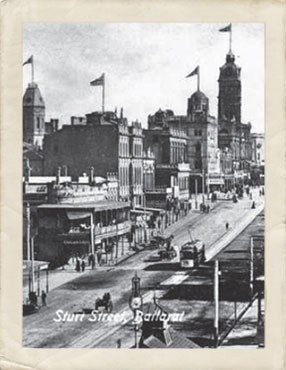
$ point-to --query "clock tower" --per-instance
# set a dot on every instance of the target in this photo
(229, 97)
(33, 116)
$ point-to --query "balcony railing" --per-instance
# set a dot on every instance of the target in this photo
(112, 230)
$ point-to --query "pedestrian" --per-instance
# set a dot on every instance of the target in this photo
(77, 265)
(89, 259)
(44, 297)
(99, 254)
(226, 226)
(82, 266)
(253, 205)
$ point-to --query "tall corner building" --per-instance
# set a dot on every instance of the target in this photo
(233, 134)
(33, 115)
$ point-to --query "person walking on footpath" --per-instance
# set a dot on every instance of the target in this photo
(44, 297)
(226, 226)
(99, 254)
(82, 266)
(77, 265)
(89, 259)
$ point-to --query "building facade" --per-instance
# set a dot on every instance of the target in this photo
(104, 142)
(257, 144)
(169, 145)
(136, 163)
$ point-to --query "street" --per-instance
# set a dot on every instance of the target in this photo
(41, 330)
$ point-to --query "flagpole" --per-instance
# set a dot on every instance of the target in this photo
(103, 93)
(198, 80)
(32, 69)
(230, 38)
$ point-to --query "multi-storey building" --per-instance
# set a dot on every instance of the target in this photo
(169, 145)
(257, 144)
(198, 144)
(233, 134)
(104, 142)
(61, 190)
(79, 219)
(203, 152)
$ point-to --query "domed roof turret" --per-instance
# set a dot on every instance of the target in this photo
(33, 96)
(199, 95)
(230, 70)
(198, 106)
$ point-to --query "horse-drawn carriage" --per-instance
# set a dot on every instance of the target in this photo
(167, 254)
(104, 302)
(166, 251)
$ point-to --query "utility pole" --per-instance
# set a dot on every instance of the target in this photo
(28, 213)
(92, 232)
(251, 277)
(216, 303)
(145, 230)
(203, 185)
(32, 264)
(196, 193)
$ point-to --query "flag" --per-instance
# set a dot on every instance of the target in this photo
(98, 82)
(195, 72)
(226, 29)
(29, 60)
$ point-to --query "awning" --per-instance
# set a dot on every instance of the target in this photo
(153, 210)
(215, 181)
(85, 207)
(77, 215)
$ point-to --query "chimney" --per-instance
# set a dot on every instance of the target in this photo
(56, 124)
(65, 170)
(58, 175)
(91, 174)
(121, 113)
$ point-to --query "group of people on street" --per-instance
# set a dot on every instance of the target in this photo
(33, 298)
(79, 265)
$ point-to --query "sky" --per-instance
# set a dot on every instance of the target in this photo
(145, 65)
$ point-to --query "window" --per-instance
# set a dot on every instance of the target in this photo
(198, 147)
(38, 123)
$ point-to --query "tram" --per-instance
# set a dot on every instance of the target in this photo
(192, 254)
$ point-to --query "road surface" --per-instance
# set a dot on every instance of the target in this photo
(41, 329)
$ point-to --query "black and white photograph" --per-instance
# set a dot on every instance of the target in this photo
(143, 185)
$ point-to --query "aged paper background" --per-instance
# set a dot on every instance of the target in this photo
(13, 14)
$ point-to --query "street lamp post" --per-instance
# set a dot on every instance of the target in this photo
(216, 303)
(203, 185)
(135, 303)
(28, 213)
(196, 193)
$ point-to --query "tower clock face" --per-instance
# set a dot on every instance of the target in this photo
(228, 72)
